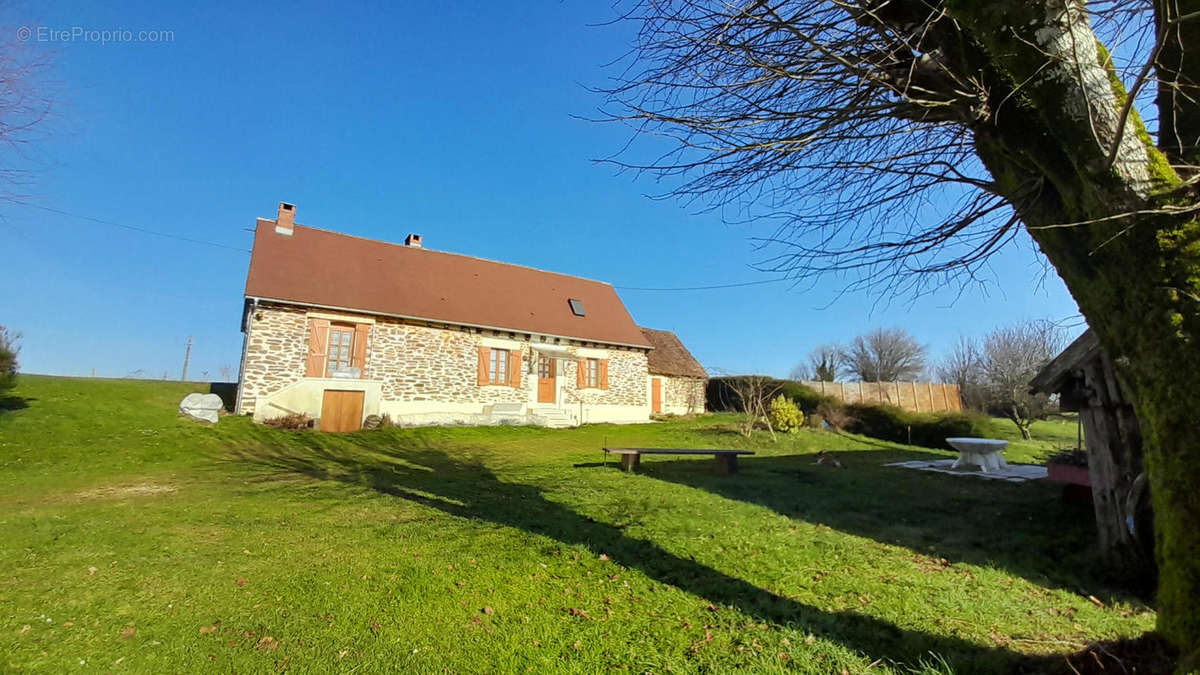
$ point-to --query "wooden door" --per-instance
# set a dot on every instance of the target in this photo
(655, 395)
(547, 384)
(342, 410)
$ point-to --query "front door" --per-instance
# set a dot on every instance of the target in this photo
(342, 410)
(655, 395)
(546, 381)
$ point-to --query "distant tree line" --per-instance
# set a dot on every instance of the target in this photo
(992, 372)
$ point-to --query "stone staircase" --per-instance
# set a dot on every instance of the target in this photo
(554, 418)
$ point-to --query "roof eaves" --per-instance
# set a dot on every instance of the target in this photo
(298, 303)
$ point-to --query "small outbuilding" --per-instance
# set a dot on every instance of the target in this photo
(1085, 380)
(677, 380)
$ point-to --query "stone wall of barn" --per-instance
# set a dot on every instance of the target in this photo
(683, 395)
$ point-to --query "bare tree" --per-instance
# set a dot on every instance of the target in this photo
(900, 142)
(885, 355)
(25, 104)
(1010, 357)
(823, 364)
(754, 394)
(963, 367)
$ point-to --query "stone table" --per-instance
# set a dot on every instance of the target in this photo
(981, 452)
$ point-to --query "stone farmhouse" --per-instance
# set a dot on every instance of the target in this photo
(341, 328)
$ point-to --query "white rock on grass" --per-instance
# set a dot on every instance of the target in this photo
(203, 407)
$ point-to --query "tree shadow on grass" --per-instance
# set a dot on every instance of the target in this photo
(1024, 528)
(424, 473)
(8, 403)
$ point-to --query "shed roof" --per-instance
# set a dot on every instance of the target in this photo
(670, 357)
(1051, 378)
(326, 269)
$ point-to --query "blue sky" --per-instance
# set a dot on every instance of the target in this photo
(454, 120)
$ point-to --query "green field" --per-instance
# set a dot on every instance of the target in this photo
(136, 540)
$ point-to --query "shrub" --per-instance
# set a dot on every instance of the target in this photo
(930, 430)
(785, 415)
(8, 359)
(834, 413)
(722, 396)
(292, 421)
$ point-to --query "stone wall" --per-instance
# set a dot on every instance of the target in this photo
(427, 365)
(626, 381)
(276, 352)
(683, 394)
(423, 363)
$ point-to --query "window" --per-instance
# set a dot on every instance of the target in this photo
(545, 367)
(498, 367)
(576, 307)
(341, 342)
(591, 376)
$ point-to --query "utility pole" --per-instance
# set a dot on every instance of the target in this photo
(186, 357)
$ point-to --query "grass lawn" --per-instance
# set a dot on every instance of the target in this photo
(136, 540)
(1049, 435)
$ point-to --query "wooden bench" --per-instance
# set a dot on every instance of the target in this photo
(727, 460)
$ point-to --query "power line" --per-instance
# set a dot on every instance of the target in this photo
(132, 227)
(202, 242)
(704, 288)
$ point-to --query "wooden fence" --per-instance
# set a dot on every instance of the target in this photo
(911, 396)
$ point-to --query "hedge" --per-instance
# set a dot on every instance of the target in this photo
(885, 422)
(929, 430)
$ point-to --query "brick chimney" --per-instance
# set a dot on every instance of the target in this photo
(413, 240)
(285, 221)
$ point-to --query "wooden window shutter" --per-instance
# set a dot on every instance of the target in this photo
(604, 374)
(318, 347)
(484, 355)
(581, 374)
(514, 368)
(359, 358)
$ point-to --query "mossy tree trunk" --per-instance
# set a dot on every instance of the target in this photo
(1073, 171)
(834, 115)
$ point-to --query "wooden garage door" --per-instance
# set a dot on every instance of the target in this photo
(342, 410)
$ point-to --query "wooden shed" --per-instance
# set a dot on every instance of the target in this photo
(1085, 380)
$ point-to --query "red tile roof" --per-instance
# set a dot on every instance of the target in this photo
(326, 269)
(670, 357)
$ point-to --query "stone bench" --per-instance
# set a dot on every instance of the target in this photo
(727, 460)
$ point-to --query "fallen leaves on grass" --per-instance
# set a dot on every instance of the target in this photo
(207, 630)
(488, 610)
(25, 629)
(240, 581)
(128, 633)
(577, 612)
(92, 571)
(267, 643)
